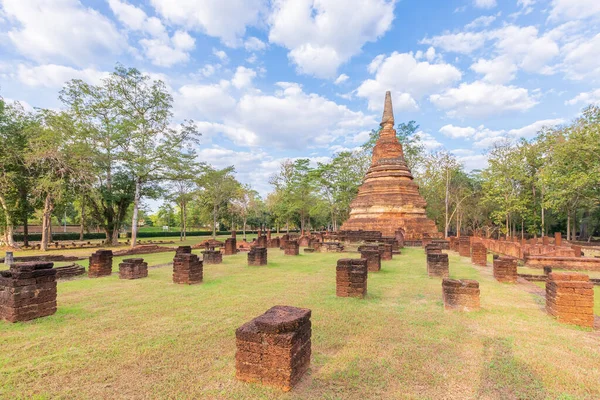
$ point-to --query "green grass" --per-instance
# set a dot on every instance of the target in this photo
(150, 338)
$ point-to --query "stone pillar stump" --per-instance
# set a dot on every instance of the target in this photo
(373, 259)
(351, 277)
(505, 269)
(133, 268)
(437, 265)
(187, 269)
(257, 256)
(100, 264)
(479, 254)
(462, 295)
(570, 298)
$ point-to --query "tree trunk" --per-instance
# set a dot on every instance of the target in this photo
(82, 225)
(9, 233)
(244, 228)
(446, 203)
(214, 222)
(136, 207)
(184, 220)
(543, 212)
(46, 222)
(181, 218)
(568, 226)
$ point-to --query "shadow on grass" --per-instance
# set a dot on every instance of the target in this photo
(504, 376)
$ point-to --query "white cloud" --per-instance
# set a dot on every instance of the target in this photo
(581, 58)
(61, 31)
(341, 79)
(481, 22)
(321, 35)
(204, 101)
(531, 130)
(457, 132)
(524, 45)
(525, 3)
(55, 76)
(243, 77)
(585, 98)
(484, 3)
(498, 70)
(428, 141)
(254, 44)
(480, 99)
(408, 79)
(221, 55)
(461, 42)
(224, 19)
(565, 10)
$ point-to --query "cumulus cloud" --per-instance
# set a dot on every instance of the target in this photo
(341, 79)
(254, 44)
(581, 58)
(407, 78)
(585, 98)
(223, 19)
(461, 42)
(321, 35)
(44, 31)
(481, 99)
(564, 10)
(55, 76)
(484, 3)
(498, 70)
(481, 22)
(243, 77)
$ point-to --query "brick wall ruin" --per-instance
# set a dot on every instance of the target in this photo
(100, 264)
(570, 298)
(462, 295)
(187, 268)
(437, 265)
(479, 254)
(505, 269)
(133, 268)
(351, 277)
(373, 259)
(257, 256)
(291, 248)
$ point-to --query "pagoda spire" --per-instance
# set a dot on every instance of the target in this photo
(388, 110)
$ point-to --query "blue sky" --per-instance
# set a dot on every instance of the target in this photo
(270, 80)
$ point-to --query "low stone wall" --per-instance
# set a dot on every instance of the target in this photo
(351, 277)
(275, 348)
(568, 263)
(187, 269)
(462, 295)
(570, 298)
(69, 271)
(373, 259)
(100, 264)
(505, 269)
(437, 265)
(27, 291)
(257, 256)
(133, 268)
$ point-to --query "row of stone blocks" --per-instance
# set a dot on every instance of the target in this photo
(133, 268)
(274, 348)
(187, 267)
(27, 291)
(570, 298)
(351, 277)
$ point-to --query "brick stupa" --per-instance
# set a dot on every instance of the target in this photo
(389, 198)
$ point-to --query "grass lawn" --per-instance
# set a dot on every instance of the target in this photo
(150, 338)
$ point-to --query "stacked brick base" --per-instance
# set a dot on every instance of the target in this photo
(386, 252)
(27, 291)
(257, 256)
(462, 295)
(351, 277)
(437, 265)
(230, 248)
(464, 246)
(291, 248)
(212, 257)
(479, 254)
(505, 269)
(100, 264)
(373, 259)
(133, 268)
(570, 298)
(187, 268)
(275, 348)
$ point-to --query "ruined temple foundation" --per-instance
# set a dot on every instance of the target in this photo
(212, 257)
(133, 268)
(373, 259)
(479, 254)
(389, 199)
(437, 265)
(505, 269)
(27, 291)
(230, 248)
(187, 269)
(100, 264)
(433, 248)
(257, 256)
(183, 250)
(570, 298)
(462, 295)
(291, 248)
(273, 243)
(464, 246)
(275, 348)
(351, 277)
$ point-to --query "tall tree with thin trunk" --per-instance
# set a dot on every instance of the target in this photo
(218, 187)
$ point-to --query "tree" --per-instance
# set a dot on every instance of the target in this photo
(217, 189)
(150, 146)
(245, 203)
(182, 176)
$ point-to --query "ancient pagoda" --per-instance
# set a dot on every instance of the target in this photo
(389, 198)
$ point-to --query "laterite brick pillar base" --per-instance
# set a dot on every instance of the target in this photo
(291, 248)
(433, 248)
(100, 263)
(437, 265)
(187, 269)
(570, 298)
(257, 256)
(351, 277)
(274, 243)
(462, 295)
(505, 269)
(386, 252)
(212, 257)
(479, 254)
(373, 259)
(183, 250)
(464, 246)
(27, 291)
(230, 247)
(133, 268)
(275, 348)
